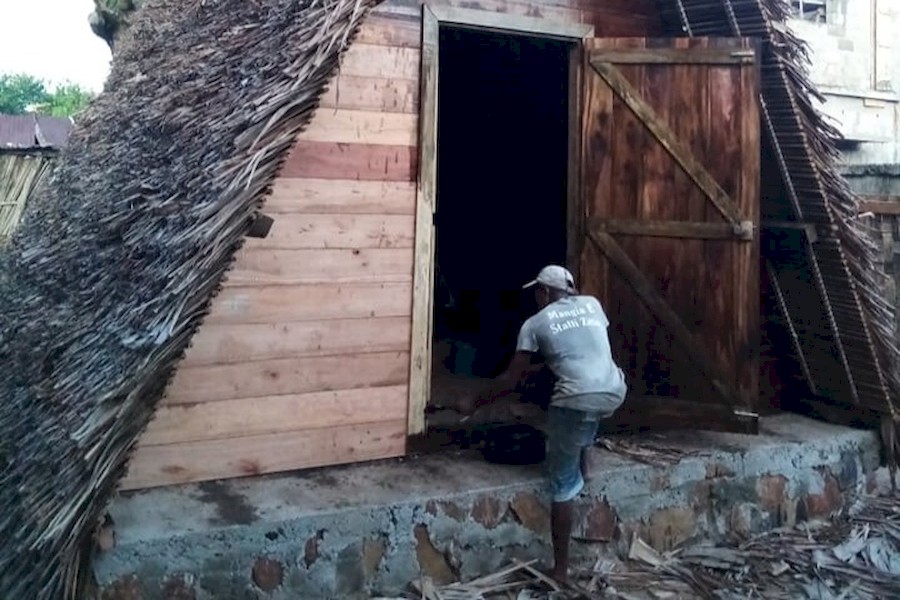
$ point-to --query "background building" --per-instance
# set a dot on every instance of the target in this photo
(28, 148)
(856, 64)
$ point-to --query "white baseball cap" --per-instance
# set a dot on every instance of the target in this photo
(556, 277)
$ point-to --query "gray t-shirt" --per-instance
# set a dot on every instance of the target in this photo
(571, 336)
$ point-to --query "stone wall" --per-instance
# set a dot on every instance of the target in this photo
(371, 529)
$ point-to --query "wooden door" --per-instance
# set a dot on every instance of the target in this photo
(670, 187)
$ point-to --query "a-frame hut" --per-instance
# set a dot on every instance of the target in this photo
(666, 151)
(456, 149)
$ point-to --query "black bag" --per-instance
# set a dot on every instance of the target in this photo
(515, 444)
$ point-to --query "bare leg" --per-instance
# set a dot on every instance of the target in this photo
(561, 532)
(587, 464)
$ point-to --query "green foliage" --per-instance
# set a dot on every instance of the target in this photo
(22, 93)
(68, 99)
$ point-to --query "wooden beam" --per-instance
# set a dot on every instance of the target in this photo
(674, 229)
(262, 267)
(675, 56)
(367, 162)
(235, 343)
(423, 277)
(823, 409)
(575, 215)
(299, 231)
(256, 455)
(174, 424)
(880, 206)
(664, 413)
(345, 126)
(649, 295)
(637, 413)
(795, 337)
(310, 302)
(388, 62)
(283, 376)
(504, 22)
(341, 197)
(681, 153)
(810, 229)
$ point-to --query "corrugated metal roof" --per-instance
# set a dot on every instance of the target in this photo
(16, 131)
(54, 131)
(22, 132)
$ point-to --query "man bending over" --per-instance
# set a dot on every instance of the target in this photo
(569, 332)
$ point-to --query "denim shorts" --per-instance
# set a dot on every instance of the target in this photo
(569, 431)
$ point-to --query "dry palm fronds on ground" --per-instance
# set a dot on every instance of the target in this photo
(854, 557)
(520, 581)
(116, 260)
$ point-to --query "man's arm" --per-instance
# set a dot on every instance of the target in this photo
(506, 382)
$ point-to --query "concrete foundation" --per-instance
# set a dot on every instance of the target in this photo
(352, 532)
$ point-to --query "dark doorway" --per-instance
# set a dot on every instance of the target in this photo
(502, 164)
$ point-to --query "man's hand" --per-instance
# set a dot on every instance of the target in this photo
(467, 404)
(501, 387)
(471, 402)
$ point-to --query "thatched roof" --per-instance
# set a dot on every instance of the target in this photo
(115, 264)
(111, 269)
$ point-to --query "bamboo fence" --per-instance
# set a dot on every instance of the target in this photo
(20, 175)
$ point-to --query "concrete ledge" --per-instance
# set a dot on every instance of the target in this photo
(352, 531)
(878, 170)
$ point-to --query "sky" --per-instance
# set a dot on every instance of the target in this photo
(51, 39)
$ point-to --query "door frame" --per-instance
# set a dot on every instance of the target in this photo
(433, 17)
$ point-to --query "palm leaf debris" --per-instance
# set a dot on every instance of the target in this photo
(856, 556)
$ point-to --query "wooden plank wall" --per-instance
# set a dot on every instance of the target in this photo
(304, 359)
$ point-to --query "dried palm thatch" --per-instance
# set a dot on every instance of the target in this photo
(856, 556)
(115, 263)
(853, 352)
(20, 175)
(520, 581)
